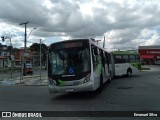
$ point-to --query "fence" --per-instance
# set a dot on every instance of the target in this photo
(15, 75)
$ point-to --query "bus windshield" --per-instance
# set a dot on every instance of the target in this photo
(69, 61)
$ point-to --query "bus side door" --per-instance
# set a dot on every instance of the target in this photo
(107, 65)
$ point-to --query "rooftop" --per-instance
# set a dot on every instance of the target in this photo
(149, 47)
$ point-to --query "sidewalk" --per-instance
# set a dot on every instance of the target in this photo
(36, 81)
(152, 67)
(26, 81)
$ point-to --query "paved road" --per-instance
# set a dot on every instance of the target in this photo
(137, 93)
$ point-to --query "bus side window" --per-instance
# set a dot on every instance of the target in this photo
(132, 58)
(137, 58)
(125, 58)
(99, 57)
(118, 59)
(107, 58)
(104, 58)
(94, 57)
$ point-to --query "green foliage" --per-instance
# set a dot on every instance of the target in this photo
(36, 47)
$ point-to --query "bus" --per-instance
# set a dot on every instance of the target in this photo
(77, 65)
(125, 63)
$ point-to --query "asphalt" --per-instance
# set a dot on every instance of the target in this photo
(36, 80)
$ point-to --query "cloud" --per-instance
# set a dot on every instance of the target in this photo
(125, 24)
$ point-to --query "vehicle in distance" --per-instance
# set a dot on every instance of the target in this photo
(29, 69)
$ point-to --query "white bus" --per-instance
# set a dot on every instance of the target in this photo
(77, 65)
(125, 63)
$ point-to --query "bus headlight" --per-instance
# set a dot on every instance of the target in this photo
(87, 78)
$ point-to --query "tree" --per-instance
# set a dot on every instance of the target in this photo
(36, 47)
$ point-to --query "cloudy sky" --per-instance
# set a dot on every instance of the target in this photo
(126, 24)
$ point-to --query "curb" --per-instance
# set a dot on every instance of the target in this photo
(24, 83)
(33, 84)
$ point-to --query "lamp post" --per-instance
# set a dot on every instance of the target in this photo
(40, 59)
(31, 32)
(25, 42)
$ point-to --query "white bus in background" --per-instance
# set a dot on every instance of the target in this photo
(77, 65)
(125, 63)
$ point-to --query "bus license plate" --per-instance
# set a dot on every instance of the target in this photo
(69, 90)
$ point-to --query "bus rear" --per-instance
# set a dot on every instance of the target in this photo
(69, 66)
(126, 63)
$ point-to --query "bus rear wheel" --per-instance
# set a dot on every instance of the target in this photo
(129, 72)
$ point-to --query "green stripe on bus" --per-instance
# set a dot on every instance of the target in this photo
(99, 68)
(60, 82)
(137, 65)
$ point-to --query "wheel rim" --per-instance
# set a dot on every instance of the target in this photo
(129, 73)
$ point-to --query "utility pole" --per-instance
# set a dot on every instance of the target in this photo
(25, 41)
(104, 42)
(40, 60)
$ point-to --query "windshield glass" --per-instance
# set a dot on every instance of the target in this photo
(69, 61)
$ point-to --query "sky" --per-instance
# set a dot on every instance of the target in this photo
(126, 24)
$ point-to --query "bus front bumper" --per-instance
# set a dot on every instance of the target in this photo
(89, 86)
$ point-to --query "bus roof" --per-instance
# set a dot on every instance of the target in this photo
(76, 40)
(125, 52)
(65, 41)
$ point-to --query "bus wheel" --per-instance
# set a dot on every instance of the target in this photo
(129, 72)
(101, 85)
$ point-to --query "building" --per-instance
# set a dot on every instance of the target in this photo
(35, 58)
(18, 56)
(4, 56)
(150, 55)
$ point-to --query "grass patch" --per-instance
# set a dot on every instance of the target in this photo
(3, 70)
(7, 70)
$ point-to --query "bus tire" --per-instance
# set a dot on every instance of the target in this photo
(129, 72)
(101, 85)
